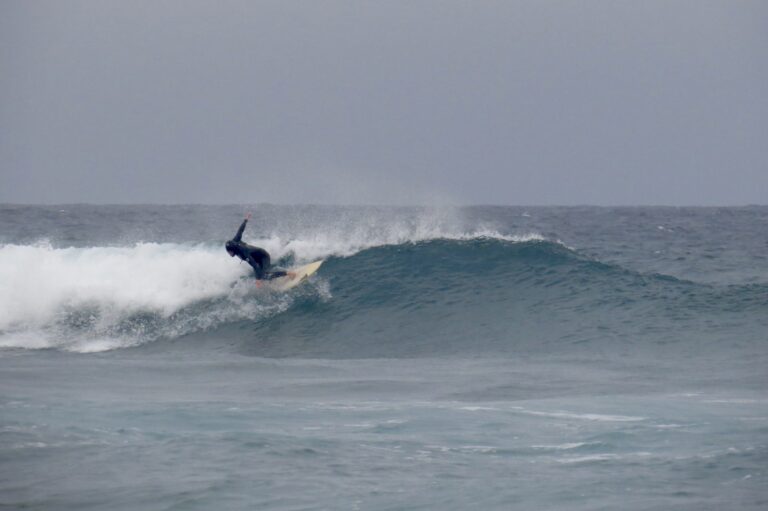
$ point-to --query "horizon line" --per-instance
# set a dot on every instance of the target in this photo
(378, 205)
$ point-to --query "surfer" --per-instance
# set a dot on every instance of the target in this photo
(257, 257)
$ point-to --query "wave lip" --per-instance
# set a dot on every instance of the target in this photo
(322, 245)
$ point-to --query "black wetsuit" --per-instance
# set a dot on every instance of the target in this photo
(257, 257)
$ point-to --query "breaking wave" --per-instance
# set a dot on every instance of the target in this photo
(377, 295)
(98, 298)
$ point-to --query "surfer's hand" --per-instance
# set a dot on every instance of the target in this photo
(248, 216)
(258, 283)
(291, 274)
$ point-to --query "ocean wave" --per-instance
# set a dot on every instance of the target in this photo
(387, 295)
(90, 299)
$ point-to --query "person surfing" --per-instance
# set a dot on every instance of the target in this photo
(257, 257)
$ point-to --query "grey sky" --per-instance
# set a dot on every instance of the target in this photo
(392, 102)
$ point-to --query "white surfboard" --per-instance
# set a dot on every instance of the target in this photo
(301, 274)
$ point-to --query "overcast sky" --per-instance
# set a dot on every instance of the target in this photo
(388, 102)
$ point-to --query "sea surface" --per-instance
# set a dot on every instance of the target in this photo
(484, 358)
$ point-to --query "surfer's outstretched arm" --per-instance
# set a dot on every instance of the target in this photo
(239, 235)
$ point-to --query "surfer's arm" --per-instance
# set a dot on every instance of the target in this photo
(239, 234)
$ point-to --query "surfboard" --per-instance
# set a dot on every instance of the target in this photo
(302, 273)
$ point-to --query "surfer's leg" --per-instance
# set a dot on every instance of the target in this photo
(275, 274)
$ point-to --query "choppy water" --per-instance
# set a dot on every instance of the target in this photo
(494, 358)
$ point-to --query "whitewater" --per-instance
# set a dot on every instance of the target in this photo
(442, 358)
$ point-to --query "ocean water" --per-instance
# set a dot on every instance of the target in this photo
(441, 359)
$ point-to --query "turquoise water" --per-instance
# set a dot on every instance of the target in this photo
(496, 358)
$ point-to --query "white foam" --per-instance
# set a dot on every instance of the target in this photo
(33, 340)
(42, 287)
(35, 281)
(478, 408)
(585, 416)
(483, 449)
(737, 401)
(590, 458)
(564, 447)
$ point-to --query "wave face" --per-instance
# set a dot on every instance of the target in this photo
(487, 297)
(394, 284)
